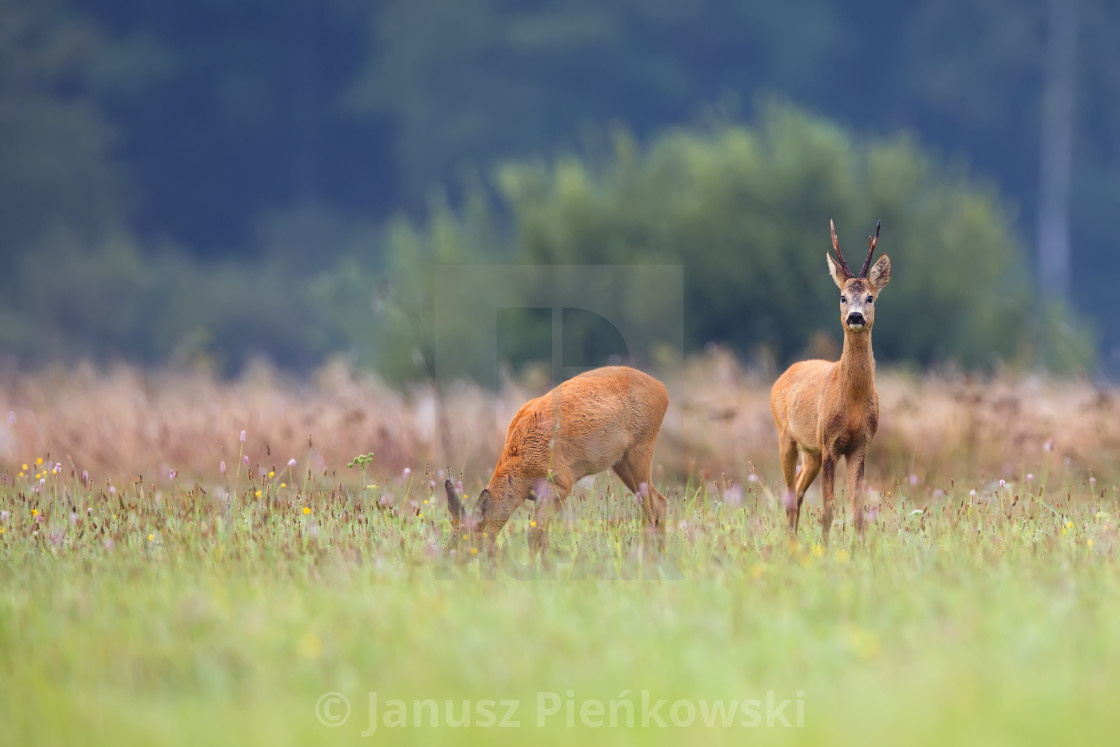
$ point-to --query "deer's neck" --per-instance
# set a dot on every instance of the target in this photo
(857, 366)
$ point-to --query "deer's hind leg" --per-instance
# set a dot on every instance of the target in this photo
(787, 454)
(810, 468)
(634, 471)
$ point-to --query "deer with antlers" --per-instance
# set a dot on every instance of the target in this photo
(606, 418)
(826, 410)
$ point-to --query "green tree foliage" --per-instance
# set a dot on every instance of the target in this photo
(56, 169)
(744, 210)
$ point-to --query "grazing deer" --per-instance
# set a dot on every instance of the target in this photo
(827, 410)
(604, 418)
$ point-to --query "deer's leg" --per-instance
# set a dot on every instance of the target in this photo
(810, 468)
(855, 489)
(548, 505)
(828, 487)
(634, 471)
(787, 454)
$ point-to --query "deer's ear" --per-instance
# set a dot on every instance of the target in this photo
(454, 505)
(836, 271)
(880, 274)
(484, 504)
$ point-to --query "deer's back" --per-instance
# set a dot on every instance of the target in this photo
(586, 423)
(795, 400)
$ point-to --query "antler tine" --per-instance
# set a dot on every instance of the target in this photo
(874, 240)
(836, 248)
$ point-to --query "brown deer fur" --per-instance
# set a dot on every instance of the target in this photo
(827, 410)
(604, 418)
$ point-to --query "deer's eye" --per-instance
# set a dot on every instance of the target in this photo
(871, 299)
(843, 299)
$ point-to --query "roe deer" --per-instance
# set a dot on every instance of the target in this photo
(827, 410)
(604, 418)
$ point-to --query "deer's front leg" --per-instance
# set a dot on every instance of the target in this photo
(828, 488)
(855, 488)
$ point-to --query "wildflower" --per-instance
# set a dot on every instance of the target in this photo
(245, 459)
(310, 646)
(1002, 482)
(1029, 477)
(1069, 525)
(474, 551)
(306, 510)
(112, 491)
(972, 493)
(1089, 542)
(34, 512)
(151, 537)
(173, 474)
(242, 436)
(283, 484)
(25, 467)
(292, 462)
(42, 481)
(257, 493)
(531, 523)
(425, 501)
(39, 460)
(863, 643)
(222, 466)
(913, 479)
(73, 517)
(4, 515)
(407, 472)
(85, 475)
(271, 473)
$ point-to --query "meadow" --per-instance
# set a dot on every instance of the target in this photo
(185, 560)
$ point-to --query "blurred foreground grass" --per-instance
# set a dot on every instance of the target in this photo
(179, 613)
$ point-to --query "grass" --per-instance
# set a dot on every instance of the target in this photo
(220, 610)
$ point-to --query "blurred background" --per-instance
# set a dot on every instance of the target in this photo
(204, 184)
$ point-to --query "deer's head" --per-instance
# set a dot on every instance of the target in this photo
(466, 523)
(858, 292)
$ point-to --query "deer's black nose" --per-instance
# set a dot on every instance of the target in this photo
(856, 318)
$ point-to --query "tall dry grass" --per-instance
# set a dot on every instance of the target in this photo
(123, 422)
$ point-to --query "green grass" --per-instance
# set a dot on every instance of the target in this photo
(160, 614)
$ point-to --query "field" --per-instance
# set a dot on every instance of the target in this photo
(165, 579)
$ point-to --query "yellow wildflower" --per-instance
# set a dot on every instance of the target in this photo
(39, 460)
(307, 509)
(34, 512)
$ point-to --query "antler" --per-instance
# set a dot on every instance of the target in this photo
(874, 240)
(836, 247)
